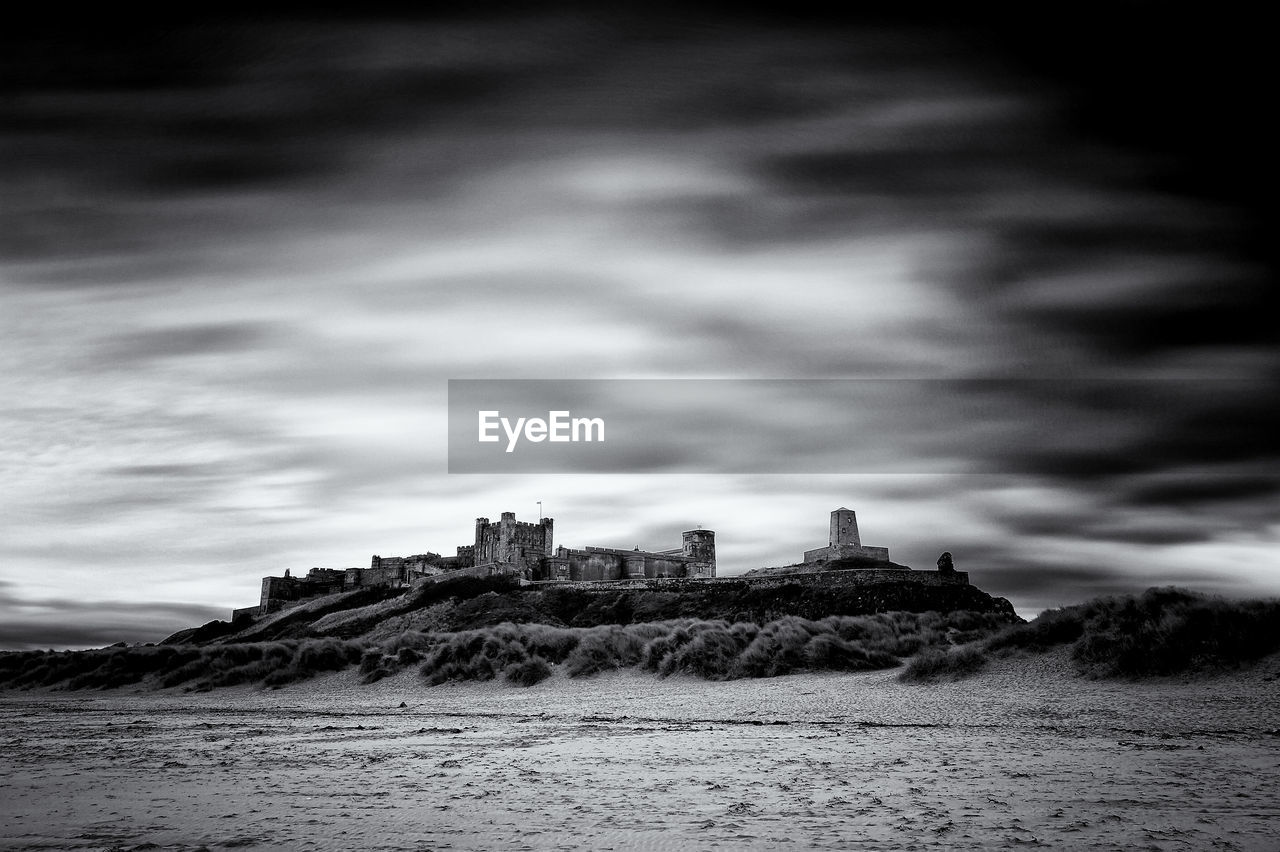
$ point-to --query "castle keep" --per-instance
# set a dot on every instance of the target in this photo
(511, 542)
(845, 543)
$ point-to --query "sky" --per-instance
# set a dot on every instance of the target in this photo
(240, 259)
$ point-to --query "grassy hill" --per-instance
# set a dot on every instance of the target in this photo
(482, 629)
(469, 603)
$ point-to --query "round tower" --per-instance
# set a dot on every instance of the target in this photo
(701, 546)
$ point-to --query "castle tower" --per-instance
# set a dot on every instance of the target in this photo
(548, 527)
(845, 542)
(483, 552)
(844, 528)
(506, 537)
(700, 545)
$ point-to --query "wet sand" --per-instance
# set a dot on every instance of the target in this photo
(1025, 755)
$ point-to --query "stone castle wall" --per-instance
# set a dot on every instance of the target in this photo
(824, 579)
(845, 551)
(830, 579)
(610, 564)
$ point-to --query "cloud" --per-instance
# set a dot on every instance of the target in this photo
(1193, 489)
(239, 262)
(195, 471)
(63, 622)
(142, 345)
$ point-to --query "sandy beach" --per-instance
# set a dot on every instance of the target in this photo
(1025, 755)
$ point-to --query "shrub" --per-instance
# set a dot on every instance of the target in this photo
(1051, 628)
(1163, 631)
(937, 664)
(660, 648)
(777, 649)
(604, 648)
(473, 655)
(553, 644)
(829, 651)
(710, 654)
(1170, 631)
(529, 672)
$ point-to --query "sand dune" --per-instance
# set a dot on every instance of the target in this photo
(1025, 755)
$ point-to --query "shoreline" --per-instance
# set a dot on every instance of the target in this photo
(1024, 753)
(1032, 677)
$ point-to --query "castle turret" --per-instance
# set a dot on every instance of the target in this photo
(506, 533)
(700, 545)
(844, 542)
(481, 553)
(548, 526)
(844, 528)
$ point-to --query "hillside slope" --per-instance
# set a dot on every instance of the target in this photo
(469, 603)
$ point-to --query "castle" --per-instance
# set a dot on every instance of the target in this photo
(509, 547)
(526, 550)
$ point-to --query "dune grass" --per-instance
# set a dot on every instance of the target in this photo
(713, 650)
(162, 666)
(935, 664)
(1163, 631)
(522, 654)
(1160, 632)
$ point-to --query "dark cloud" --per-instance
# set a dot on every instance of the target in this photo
(184, 340)
(70, 623)
(230, 169)
(1106, 430)
(1219, 310)
(1104, 526)
(892, 178)
(1032, 580)
(1034, 583)
(1224, 422)
(1190, 490)
(37, 231)
(80, 241)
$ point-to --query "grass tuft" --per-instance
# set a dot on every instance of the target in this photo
(1163, 631)
(936, 664)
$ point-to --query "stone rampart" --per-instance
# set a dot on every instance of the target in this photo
(828, 579)
(491, 569)
(846, 551)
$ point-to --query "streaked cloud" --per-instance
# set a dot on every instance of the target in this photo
(238, 264)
